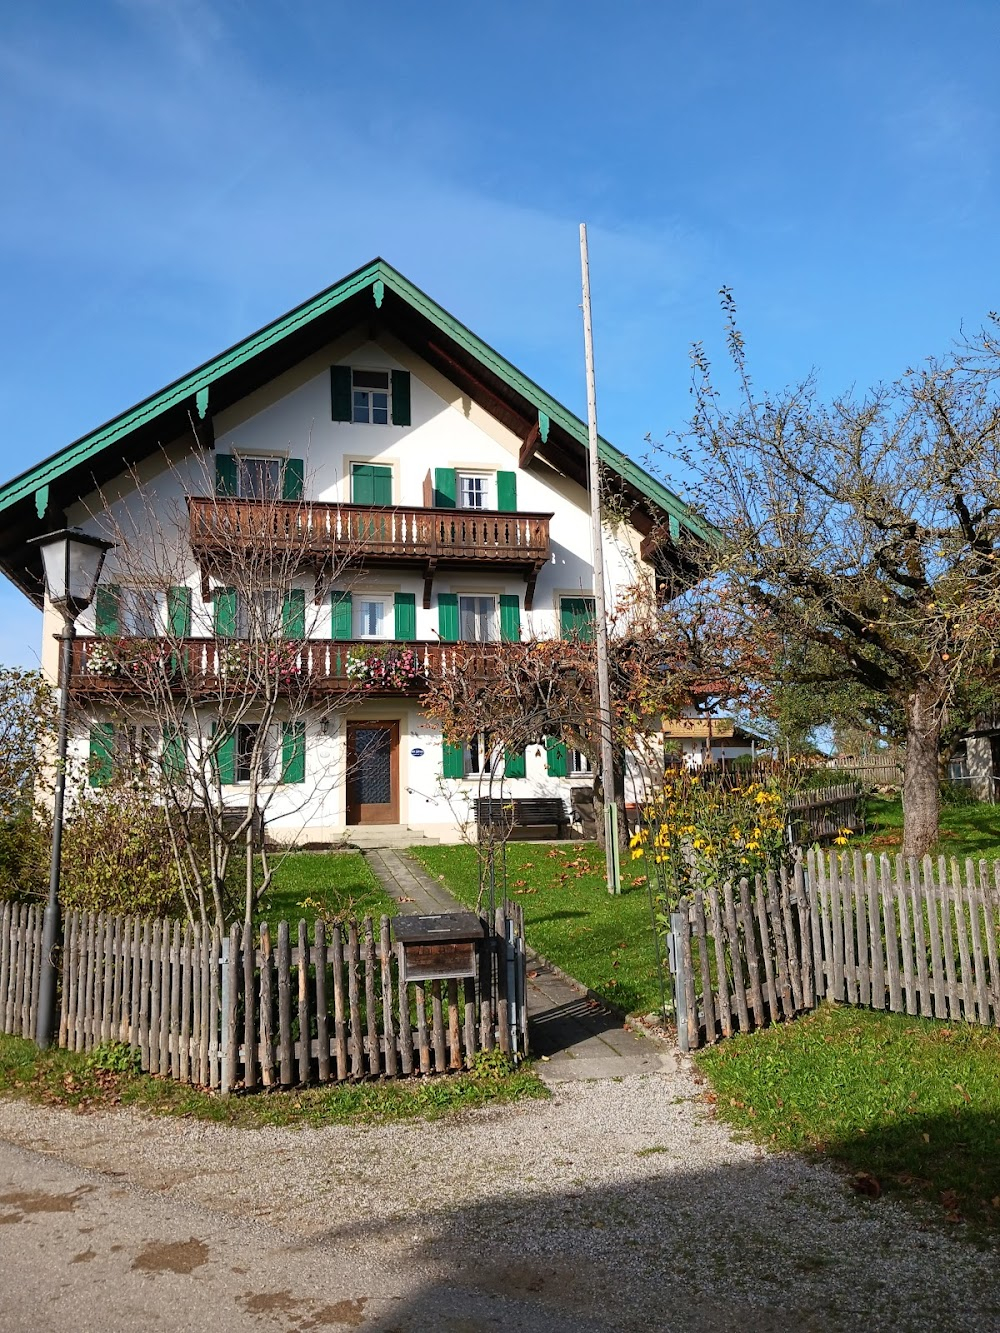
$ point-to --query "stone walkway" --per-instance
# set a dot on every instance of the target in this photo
(574, 1036)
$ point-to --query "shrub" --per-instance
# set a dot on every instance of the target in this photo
(118, 856)
(25, 846)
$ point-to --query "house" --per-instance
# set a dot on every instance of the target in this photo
(700, 739)
(432, 493)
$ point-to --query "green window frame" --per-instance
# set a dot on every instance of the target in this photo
(576, 618)
(371, 484)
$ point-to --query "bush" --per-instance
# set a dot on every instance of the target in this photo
(25, 846)
(118, 856)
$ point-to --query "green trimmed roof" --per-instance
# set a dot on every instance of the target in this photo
(375, 291)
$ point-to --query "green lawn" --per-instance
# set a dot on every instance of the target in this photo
(107, 1078)
(335, 884)
(604, 942)
(966, 829)
(912, 1103)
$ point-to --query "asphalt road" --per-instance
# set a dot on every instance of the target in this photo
(80, 1252)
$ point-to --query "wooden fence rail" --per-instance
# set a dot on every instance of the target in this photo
(903, 936)
(260, 1010)
(824, 812)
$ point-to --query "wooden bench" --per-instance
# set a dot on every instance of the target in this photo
(529, 818)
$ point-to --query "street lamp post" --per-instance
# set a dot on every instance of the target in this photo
(71, 564)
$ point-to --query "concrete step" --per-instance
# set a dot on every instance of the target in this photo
(396, 836)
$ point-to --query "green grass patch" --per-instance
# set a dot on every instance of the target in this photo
(913, 1103)
(335, 885)
(604, 942)
(967, 829)
(107, 1079)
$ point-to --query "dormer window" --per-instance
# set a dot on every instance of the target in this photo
(371, 397)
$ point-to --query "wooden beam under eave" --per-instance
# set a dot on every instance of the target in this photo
(429, 583)
(531, 578)
(529, 446)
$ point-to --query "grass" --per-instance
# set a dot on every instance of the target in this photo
(911, 1105)
(604, 942)
(967, 829)
(106, 1079)
(332, 884)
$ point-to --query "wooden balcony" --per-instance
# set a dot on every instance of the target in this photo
(362, 535)
(109, 669)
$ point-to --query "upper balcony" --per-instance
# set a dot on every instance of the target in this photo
(366, 535)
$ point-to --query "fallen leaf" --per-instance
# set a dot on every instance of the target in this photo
(865, 1183)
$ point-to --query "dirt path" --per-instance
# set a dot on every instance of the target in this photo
(616, 1205)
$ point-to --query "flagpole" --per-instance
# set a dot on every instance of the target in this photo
(600, 599)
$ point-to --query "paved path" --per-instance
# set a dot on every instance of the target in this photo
(577, 1037)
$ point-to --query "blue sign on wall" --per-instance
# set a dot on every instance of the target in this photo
(417, 754)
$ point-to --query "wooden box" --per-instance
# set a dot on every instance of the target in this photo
(437, 948)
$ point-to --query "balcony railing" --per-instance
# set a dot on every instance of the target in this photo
(115, 668)
(371, 534)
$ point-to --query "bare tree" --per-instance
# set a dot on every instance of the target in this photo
(212, 670)
(865, 531)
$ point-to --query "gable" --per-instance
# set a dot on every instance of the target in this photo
(376, 296)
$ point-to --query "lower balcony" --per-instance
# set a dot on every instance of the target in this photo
(109, 668)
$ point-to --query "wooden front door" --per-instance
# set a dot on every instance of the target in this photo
(373, 772)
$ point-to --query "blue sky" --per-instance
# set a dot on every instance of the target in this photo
(177, 172)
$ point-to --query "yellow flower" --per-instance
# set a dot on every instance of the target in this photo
(638, 854)
(840, 841)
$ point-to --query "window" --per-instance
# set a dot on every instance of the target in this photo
(369, 617)
(260, 615)
(473, 491)
(259, 478)
(479, 756)
(579, 763)
(141, 612)
(254, 742)
(137, 748)
(477, 619)
(370, 402)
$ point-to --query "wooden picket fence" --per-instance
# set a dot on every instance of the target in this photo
(823, 812)
(248, 1009)
(20, 967)
(904, 936)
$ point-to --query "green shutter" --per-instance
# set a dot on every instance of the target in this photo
(507, 492)
(340, 392)
(106, 609)
(576, 618)
(510, 618)
(453, 765)
(341, 616)
(293, 752)
(102, 744)
(293, 614)
(382, 485)
(557, 760)
(292, 479)
(225, 613)
(225, 474)
(174, 758)
(513, 765)
(448, 617)
(445, 488)
(400, 397)
(225, 757)
(406, 616)
(362, 484)
(179, 612)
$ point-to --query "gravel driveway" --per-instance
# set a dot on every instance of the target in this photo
(619, 1204)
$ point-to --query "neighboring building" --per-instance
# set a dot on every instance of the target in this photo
(368, 408)
(695, 741)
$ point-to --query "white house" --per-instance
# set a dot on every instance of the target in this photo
(462, 487)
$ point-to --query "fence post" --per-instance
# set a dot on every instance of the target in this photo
(675, 953)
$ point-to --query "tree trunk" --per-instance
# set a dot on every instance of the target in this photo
(921, 780)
